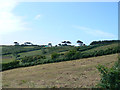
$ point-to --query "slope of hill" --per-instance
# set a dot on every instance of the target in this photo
(77, 73)
(24, 56)
(10, 52)
(104, 47)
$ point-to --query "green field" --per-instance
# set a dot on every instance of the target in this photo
(6, 59)
(104, 47)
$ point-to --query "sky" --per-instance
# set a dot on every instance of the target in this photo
(53, 22)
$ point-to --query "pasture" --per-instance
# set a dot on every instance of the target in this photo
(70, 74)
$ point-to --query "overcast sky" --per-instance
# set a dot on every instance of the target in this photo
(44, 22)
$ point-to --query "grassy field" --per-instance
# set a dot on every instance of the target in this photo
(69, 74)
(103, 47)
(36, 52)
(6, 59)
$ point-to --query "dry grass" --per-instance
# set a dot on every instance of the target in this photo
(69, 74)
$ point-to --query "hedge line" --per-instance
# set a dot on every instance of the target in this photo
(71, 55)
(10, 65)
(78, 55)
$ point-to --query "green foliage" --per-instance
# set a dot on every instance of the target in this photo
(75, 54)
(70, 54)
(54, 55)
(110, 77)
(84, 48)
(58, 54)
(43, 51)
(16, 56)
(26, 61)
(10, 65)
(34, 58)
(104, 42)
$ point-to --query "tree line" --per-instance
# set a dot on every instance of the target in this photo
(104, 42)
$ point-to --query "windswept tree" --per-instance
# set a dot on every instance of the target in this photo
(64, 43)
(16, 43)
(80, 43)
(59, 44)
(28, 43)
(68, 42)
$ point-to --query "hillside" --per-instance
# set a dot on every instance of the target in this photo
(10, 52)
(24, 56)
(77, 73)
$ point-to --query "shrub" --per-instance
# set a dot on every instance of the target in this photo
(70, 54)
(43, 51)
(110, 77)
(54, 55)
(34, 58)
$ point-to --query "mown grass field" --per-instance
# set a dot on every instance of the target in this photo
(68, 74)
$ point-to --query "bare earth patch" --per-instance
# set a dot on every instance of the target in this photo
(69, 74)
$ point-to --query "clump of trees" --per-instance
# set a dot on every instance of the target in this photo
(65, 43)
(80, 43)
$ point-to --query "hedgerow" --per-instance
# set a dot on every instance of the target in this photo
(57, 57)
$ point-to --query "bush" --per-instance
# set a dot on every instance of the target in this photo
(43, 51)
(110, 77)
(70, 54)
(55, 55)
(34, 58)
